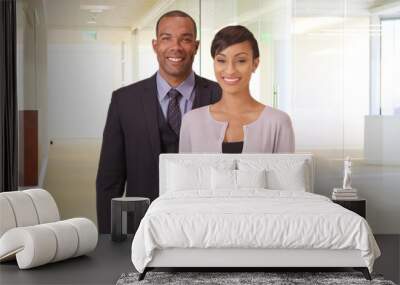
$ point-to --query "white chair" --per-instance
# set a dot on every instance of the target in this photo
(31, 230)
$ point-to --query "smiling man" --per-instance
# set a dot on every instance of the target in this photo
(144, 118)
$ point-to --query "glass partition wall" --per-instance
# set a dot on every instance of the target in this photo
(316, 63)
(331, 65)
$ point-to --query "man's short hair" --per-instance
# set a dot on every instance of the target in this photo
(177, 13)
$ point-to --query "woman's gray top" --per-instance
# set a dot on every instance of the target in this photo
(272, 132)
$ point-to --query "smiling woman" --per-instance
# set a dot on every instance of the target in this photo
(237, 123)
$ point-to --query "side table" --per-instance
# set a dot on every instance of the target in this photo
(358, 206)
(119, 209)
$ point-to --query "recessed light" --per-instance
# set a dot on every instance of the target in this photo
(97, 11)
(96, 8)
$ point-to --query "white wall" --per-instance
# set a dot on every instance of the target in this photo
(82, 76)
(80, 87)
(71, 176)
(382, 140)
(147, 60)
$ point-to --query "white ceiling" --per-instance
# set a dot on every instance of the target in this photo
(333, 8)
(127, 14)
(119, 14)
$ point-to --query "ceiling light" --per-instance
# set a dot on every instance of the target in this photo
(97, 11)
(96, 8)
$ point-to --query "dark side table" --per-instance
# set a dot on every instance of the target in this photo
(358, 206)
(119, 209)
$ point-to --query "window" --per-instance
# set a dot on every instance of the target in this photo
(390, 67)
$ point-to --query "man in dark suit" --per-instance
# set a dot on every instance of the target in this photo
(144, 118)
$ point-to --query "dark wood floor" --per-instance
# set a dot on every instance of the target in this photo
(103, 266)
(110, 260)
(389, 262)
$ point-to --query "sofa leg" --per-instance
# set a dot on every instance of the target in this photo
(364, 271)
(143, 274)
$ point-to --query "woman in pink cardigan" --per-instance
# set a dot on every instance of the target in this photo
(237, 123)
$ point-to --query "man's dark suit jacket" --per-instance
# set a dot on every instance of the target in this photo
(131, 143)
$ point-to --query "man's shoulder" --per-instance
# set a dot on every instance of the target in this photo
(206, 82)
(207, 87)
(134, 88)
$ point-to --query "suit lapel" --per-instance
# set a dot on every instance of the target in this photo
(150, 107)
(203, 93)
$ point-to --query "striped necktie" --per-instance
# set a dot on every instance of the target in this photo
(174, 115)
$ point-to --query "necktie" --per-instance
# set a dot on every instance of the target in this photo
(174, 115)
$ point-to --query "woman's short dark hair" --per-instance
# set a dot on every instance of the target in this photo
(231, 35)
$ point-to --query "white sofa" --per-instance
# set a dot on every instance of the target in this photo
(31, 231)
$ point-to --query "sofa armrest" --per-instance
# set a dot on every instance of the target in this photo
(41, 244)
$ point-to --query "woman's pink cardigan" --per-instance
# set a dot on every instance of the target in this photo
(272, 132)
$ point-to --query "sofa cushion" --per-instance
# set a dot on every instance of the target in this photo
(40, 244)
(45, 206)
(27, 208)
(23, 208)
(7, 215)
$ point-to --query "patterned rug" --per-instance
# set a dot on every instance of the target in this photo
(243, 278)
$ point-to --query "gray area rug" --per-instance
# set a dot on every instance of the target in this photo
(269, 278)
